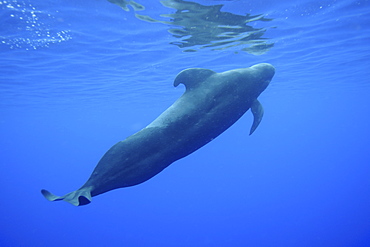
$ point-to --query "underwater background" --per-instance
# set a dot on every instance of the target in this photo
(78, 76)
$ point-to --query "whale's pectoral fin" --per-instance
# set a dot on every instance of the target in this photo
(257, 111)
(77, 198)
(192, 77)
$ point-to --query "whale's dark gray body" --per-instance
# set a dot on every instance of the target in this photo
(211, 103)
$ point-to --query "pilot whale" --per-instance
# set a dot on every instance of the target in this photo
(212, 102)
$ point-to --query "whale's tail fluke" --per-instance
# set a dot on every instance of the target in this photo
(77, 198)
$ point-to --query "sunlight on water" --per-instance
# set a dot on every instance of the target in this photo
(196, 26)
(124, 4)
(25, 26)
(116, 57)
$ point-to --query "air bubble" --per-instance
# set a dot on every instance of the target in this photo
(30, 33)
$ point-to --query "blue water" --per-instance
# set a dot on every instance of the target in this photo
(78, 76)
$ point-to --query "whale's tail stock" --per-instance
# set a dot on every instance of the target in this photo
(77, 198)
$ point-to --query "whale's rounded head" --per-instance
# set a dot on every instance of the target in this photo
(264, 72)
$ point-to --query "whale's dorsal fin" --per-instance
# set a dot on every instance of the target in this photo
(192, 77)
(257, 111)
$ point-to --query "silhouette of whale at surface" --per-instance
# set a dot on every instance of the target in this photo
(211, 103)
